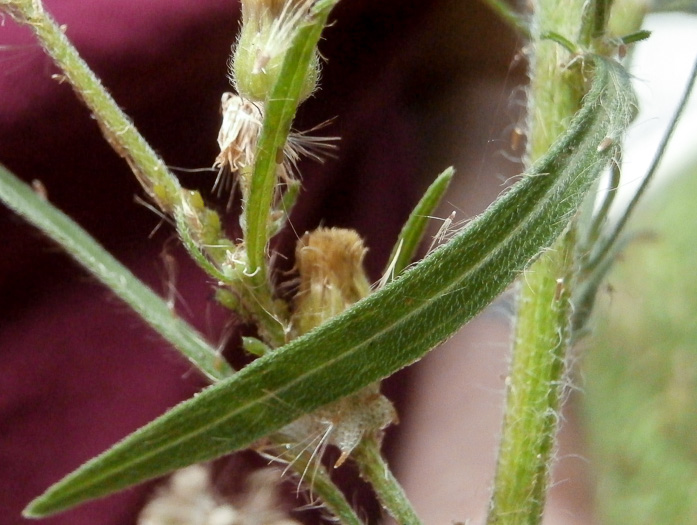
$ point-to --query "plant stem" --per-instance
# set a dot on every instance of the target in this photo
(542, 330)
(534, 390)
(375, 470)
(152, 173)
(279, 110)
(117, 128)
(317, 480)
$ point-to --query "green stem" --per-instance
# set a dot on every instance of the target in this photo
(280, 110)
(542, 331)
(117, 128)
(258, 221)
(594, 21)
(375, 471)
(317, 480)
(534, 390)
(152, 173)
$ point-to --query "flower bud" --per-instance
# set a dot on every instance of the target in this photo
(332, 278)
(268, 30)
(330, 264)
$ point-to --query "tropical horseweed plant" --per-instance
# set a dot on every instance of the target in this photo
(335, 324)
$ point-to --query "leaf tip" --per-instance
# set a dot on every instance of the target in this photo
(35, 509)
(49, 503)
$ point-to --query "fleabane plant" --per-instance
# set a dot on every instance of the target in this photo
(335, 325)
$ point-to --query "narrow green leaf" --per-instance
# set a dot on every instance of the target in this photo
(413, 230)
(384, 332)
(636, 36)
(84, 249)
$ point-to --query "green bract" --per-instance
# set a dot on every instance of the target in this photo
(268, 29)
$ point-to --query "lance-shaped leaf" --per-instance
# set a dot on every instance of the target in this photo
(413, 230)
(19, 197)
(384, 332)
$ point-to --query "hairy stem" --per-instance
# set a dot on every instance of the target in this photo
(200, 224)
(375, 470)
(535, 384)
(534, 390)
(117, 128)
(318, 482)
(280, 111)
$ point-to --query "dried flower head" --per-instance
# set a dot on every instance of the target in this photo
(330, 266)
(239, 134)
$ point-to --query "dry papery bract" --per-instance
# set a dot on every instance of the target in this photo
(239, 134)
